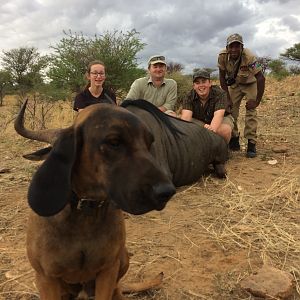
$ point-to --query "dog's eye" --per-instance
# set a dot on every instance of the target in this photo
(113, 143)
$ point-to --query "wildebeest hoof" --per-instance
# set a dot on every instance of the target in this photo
(220, 170)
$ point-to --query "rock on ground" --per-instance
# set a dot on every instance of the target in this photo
(269, 283)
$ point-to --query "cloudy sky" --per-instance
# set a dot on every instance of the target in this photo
(190, 32)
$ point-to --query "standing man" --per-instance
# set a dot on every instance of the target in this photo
(241, 76)
(207, 103)
(155, 88)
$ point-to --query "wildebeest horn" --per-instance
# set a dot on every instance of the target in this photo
(47, 135)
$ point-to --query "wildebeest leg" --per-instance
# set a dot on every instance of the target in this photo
(49, 288)
(106, 283)
(220, 170)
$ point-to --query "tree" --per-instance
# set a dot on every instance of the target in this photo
(278, 69)
(5, 81)
(118, 51)
(264, 62)
(184, 85)
(292, 53)
(69, 61)
(26, 68)
(73, 53)
(295, 70)
(173, 67)
(24, 65)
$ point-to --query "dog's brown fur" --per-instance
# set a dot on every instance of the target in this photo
(104, 157)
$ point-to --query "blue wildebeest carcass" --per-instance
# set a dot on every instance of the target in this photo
(183, 149)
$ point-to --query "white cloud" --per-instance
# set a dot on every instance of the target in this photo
(114, 21)
(188, 33)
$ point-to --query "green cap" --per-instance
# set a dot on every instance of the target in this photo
(201, 74)
(157, 59)
(235, 38)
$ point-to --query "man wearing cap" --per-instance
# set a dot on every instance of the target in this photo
(155, 88)
(241, 76)
(207, 103)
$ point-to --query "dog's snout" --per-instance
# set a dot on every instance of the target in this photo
(163, 192)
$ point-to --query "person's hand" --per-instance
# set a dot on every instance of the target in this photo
(171, 113)
(251, 104)
(209, 127)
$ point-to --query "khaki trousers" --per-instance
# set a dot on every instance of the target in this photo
(237, 93)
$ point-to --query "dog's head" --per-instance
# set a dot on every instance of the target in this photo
(104, 155)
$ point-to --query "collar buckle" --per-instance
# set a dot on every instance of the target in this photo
(88, 204)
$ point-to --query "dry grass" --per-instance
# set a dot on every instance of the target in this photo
(264, 228)
(211, 235)
(268, 224)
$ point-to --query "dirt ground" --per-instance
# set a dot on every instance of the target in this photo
(211, 235)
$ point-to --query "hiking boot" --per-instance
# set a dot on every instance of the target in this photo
(234, 144)
(251, 150)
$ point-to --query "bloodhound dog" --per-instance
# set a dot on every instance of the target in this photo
(96, 169)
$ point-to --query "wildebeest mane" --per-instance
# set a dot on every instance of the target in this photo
(155, 112)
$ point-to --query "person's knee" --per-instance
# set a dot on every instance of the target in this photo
(225, 131)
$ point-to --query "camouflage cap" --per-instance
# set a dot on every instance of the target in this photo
(201, 74)
(157, 59)
(235, 38)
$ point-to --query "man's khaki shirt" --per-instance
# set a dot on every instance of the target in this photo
(165, 95)
(248, 68)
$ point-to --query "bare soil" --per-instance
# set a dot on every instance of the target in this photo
(211, 235)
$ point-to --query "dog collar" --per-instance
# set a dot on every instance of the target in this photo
(85, 204)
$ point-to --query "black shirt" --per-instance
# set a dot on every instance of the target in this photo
(85, 98)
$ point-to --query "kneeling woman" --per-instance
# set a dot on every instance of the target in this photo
(94, 92)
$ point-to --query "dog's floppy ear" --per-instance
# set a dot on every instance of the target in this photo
(50, 187)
